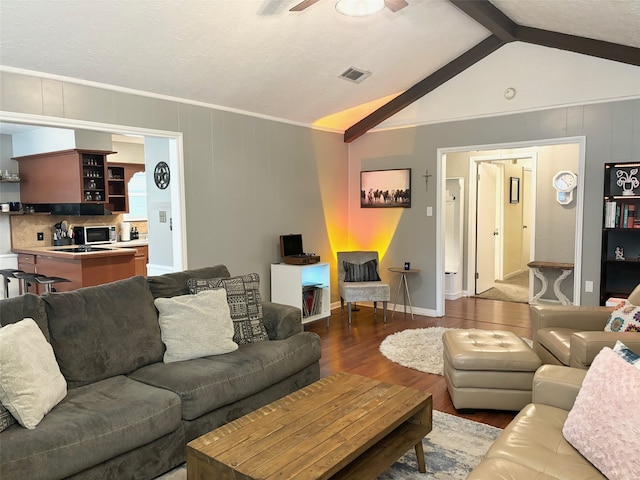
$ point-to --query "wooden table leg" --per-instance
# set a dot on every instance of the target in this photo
(422, 467)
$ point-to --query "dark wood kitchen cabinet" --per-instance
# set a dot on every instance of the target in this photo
(118, 176)
(27, 263)
(141, 259)
(66, 176)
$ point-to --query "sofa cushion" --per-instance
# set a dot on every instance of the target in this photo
(205, 384)
(534, 440)
(174, 284)
(500, 469)
(30, 380)
(245, 304)
(103, 331)
(13, 310)
(93, 424)
(194, 326)
(365, 272)
(557, 340)
(624, 318)
(603, 423)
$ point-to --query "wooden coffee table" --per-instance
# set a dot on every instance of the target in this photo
(342, 426)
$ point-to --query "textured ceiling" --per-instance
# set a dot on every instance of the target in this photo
(256, 56)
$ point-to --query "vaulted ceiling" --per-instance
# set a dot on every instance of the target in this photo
(257, 56)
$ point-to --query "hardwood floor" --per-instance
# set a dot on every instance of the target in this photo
(355, 349)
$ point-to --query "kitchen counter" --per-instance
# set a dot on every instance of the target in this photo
(115, 249)
(131, 243)
(57, 252)
(112, 262)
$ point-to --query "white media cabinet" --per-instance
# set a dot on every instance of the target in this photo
(304, 286)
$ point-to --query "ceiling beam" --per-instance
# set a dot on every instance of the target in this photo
(586, 46)
(488, 15)
(504, 30)
(433, 81)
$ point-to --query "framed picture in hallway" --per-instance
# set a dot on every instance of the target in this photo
(514, 196)
(385, 188)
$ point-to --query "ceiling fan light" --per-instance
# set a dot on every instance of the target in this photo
(359, 8)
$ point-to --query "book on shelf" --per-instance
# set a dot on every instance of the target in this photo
(609, 214)
(621, 215)
(631, 217)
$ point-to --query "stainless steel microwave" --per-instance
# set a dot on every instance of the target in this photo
(93, 235)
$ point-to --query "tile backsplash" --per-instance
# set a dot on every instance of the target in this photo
(25, 228)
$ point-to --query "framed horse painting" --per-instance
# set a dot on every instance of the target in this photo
(385, 188)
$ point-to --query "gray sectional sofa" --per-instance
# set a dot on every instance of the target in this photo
(127, 414)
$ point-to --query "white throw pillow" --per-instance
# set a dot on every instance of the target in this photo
(604, 423)
(30, 380)
(194, 326)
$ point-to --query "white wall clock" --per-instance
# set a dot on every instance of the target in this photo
(565, 183)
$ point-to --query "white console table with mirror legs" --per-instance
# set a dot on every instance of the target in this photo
(539, 268)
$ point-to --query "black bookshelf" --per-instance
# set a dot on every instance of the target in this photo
(620, 259)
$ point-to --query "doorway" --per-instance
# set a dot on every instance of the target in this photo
(169, 148)
(502, 225)
(538, 199)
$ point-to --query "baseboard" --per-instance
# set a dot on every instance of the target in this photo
(427, 312)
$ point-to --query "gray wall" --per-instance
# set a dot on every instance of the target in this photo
(247, 180)
(612, 132)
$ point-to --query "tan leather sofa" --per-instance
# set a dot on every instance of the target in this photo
(532, 445)
(573, 336)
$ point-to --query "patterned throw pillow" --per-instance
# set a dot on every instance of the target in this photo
(6, 419)
(624, 318)
(627, 354)
(366, 272)
(245, 304)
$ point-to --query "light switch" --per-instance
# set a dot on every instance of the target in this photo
(163, 216)
(588, 286)
(429, 211)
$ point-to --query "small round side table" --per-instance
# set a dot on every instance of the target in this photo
(403, 281)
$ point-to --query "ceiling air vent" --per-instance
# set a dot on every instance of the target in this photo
(354, 75)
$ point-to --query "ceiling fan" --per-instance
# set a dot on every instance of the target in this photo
(393, 5)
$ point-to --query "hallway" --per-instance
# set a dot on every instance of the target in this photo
(515, 289)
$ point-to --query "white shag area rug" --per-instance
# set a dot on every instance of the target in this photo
(420, 348)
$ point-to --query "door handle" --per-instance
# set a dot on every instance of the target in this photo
(495, 232)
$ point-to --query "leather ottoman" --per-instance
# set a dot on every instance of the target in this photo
(488, 369)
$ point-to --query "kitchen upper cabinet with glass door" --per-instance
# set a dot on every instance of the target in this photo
(620, 267)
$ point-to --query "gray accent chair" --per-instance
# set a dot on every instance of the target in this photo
(351, 292)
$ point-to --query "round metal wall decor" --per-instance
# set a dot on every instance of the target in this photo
(162, 175)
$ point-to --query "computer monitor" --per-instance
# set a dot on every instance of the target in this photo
(291, 245)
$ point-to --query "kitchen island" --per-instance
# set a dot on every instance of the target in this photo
(83, 268)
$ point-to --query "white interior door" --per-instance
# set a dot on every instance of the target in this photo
(486, 227)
